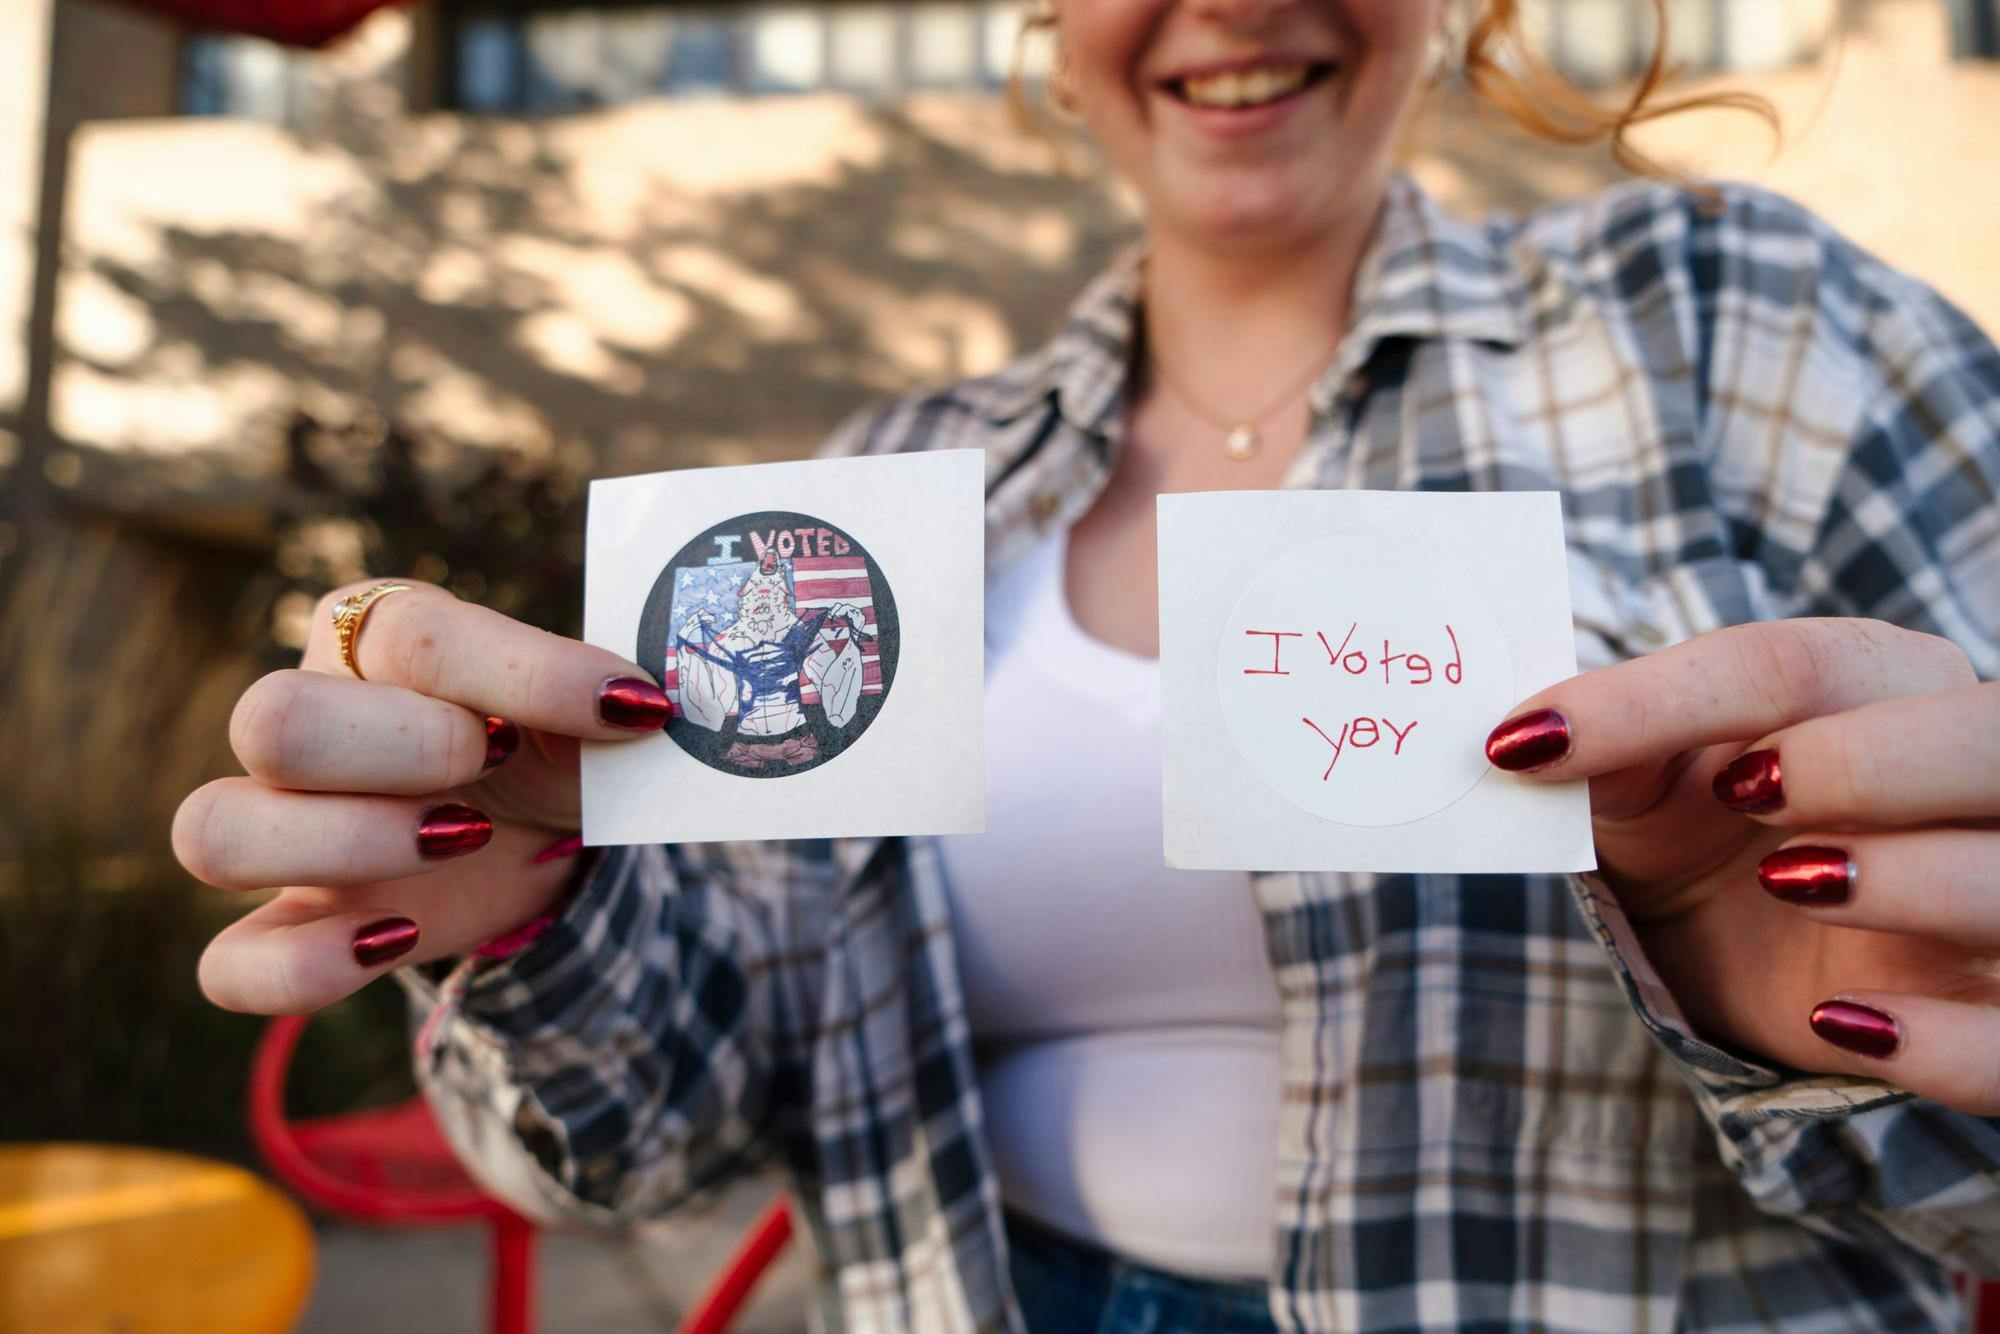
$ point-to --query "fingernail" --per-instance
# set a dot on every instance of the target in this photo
(1815, 877)
(1856, 1028)
(628, 702)
(1751, 783)
(1529, 741)
(502, 739)
(452, 830)
(379, 942)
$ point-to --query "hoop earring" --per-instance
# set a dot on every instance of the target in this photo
(1057, 85)
(1440, 57)
(1061, 82)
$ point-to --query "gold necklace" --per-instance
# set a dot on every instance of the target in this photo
(1243, 436)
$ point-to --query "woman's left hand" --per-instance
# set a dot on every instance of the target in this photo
(1854, 769)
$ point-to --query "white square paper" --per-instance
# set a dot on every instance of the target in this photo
(1331, 663)
(820, 628)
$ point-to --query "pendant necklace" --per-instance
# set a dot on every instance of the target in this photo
(1243, 437)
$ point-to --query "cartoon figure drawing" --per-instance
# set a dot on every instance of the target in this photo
(753, 667)
(776, 637)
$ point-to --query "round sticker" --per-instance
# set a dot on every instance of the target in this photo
(1359, 678)
(775, 636)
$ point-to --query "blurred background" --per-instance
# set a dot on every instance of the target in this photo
(378, 292)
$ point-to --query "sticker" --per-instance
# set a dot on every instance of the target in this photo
(775, 636)
(1330, 665)
(808, 699)
(1359, 677)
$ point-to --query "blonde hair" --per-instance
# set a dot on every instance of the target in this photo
(1511, 81)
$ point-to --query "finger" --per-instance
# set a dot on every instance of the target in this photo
(1944, 1050)
(286, 957)
(1731, 685)
(430, 642)
(1939, 883)
(1900, 761)
(322, 733)
(309, 947)
(236, 833)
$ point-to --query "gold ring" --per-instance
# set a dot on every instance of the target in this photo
(350, 612)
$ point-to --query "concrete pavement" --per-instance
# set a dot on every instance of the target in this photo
(379, 1281)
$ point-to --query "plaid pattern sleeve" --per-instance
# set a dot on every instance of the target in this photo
(611, 1070)
(1906, 491)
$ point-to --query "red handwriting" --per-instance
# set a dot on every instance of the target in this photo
(1278, 638)
(1355, 656)
(1351, 734)
(1407, 667)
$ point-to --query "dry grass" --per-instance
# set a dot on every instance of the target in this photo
(120, 659)
(118, 669)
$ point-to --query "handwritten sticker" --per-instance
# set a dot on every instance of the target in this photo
(1355, 694)
(818, 628)
(1330, 665)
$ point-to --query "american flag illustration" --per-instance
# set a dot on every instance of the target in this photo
(817, 581)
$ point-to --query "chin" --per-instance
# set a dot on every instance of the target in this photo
(1284, 199)
(1250, 215)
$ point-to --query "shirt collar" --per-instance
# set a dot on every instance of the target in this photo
(1425, 275)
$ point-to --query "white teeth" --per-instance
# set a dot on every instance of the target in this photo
(1244, 89)
(1217, 90)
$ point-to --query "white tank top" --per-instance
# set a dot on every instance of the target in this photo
(1125, 1016)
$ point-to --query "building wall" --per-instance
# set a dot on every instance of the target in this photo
(94, 61)
(24, 29)
(656, 285)
(670, 282)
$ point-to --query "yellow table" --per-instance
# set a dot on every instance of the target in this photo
(102, 1238)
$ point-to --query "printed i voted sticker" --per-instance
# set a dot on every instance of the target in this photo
(818, 629)
(1332, 663)
(775, 635)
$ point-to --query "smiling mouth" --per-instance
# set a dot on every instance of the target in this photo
(1235, 90)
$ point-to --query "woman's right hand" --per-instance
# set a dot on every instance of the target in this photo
(400, 814)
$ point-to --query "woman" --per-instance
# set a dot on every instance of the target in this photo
(1653, 1097)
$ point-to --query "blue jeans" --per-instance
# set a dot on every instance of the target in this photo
(1071, 1287)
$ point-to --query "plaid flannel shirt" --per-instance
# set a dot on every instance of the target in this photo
(1494, 1115)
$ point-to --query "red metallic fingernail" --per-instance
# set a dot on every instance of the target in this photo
(1529, 741)
(637, 706)
(379, 942)
(502, 739)
(452, 830)
(1751, 783)
(1815, 877)
(1856, 1028)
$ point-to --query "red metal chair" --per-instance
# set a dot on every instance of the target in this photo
(393, 1166)
(1982, 1305)
(761, 1245)
(387, 1165)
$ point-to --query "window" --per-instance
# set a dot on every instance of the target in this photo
(1603, 41)
(944, 47)
(520, 59)
(516, 57)
(861, 48)
(787, 51)
(243, 76)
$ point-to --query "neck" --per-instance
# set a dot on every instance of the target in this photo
(1235, 327)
